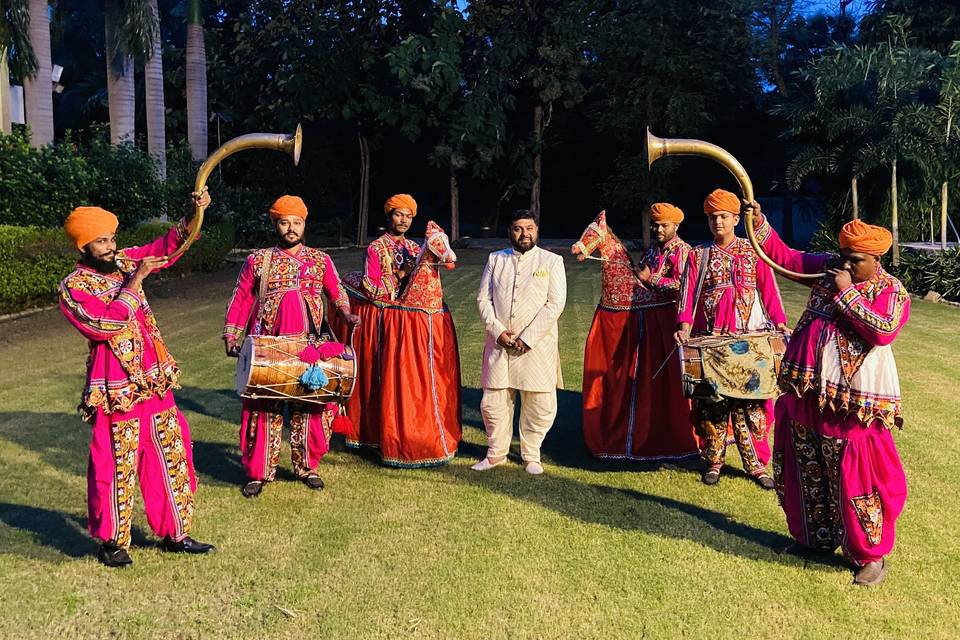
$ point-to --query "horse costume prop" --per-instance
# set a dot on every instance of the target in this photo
(630, 410)
(406, 401)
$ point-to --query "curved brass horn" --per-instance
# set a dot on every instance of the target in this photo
(289, 143)
(659, 147)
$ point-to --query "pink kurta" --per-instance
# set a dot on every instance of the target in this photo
(839, 477)
(293, 306)
(137, 428)
(738, 295)
(381, 281)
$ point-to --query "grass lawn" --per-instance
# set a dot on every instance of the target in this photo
(589, 550)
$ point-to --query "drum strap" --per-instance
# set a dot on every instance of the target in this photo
(264, 279)
(701, 278)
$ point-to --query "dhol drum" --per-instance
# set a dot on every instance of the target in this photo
(733, 366)
(270, 367)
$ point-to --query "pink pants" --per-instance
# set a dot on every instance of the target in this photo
(151, 441)
(840, 482)
(261, 431)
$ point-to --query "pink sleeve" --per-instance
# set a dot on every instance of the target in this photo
(95, 319)
(241, 304)
(161, 246)
(674, 263)
(779, 252)
(332, 286)
(379, 283)
(688, 288)
(770, 293)
(877, 322)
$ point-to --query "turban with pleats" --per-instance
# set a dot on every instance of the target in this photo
(865, 238)
(288, 206)
(665, 212)
(721, 200)
(400, 201)
(86, 224)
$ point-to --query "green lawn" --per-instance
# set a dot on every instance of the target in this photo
(588, 550)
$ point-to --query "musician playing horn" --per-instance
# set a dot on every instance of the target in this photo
(839, 477)
(280, 292)
(737, 294)
(137, 429)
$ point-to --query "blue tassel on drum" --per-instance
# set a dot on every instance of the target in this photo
(314, 378)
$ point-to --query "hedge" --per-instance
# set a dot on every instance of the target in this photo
(34, 260)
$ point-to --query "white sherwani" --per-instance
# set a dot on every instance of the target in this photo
(523, 293)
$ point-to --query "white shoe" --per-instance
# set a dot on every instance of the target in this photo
(534, 468)
(486, 465)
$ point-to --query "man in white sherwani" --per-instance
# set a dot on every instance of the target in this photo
(522, 293)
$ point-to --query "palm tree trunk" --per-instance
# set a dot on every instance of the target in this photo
(5, 126)
(454, 207)
(364, 206)
(196, 83)
(855, 196)
(121, 94)
(155, 107)
(537, 161)
(38, 90)
(944, 195)
(894, 213)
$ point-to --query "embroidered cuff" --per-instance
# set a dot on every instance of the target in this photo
(183, 230)
(846, 298)
(232, 331)
(129, 299)
(762, 232)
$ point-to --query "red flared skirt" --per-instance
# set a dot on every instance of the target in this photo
(406, 402)
(628, 413)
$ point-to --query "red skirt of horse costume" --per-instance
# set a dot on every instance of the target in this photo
(406, 402)
(630, 411)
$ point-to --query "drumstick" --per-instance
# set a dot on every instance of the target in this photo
(665, 361)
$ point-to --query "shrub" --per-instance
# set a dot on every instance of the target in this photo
(33, 260)
(924, 271)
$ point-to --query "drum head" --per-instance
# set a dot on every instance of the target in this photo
(244, 364)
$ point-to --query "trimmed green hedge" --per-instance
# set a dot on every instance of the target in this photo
(33, 260)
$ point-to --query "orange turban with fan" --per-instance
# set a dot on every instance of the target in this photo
(721, 200)
(665, 212)
(400, 201)
(288, 206)
(865, 238)
(86, 224)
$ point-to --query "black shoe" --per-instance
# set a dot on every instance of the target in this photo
(314, 482)
(113, 556)
(252, 489)
(710, 476)
(764, 481)
(187, 545)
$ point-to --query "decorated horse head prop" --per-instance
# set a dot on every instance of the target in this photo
(423, 290)
(619, 286)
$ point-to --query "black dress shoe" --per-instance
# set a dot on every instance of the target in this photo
(114, 556)
(187, 545)
(313, 481)
(765, 481)
(252, 489)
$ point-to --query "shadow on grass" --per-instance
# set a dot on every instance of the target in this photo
(222, 404)
(60, 439)
(564, 445)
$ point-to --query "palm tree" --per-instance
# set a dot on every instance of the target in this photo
(196, 83)
(14, 37)
(37, 87)
(121, 90)
(153, 94)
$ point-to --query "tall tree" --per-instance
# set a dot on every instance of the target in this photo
(38, 88)
(196, 63)
(121, 90)
(770, 20)
(15, 44)
(153, 95)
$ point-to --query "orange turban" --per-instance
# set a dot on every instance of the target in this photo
(665, 212)
(720, 200)
(400, 201)
(288, 206)
(86, 224)
(865, 238)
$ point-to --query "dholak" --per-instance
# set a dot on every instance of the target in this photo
(270, 367)
(742, 366)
